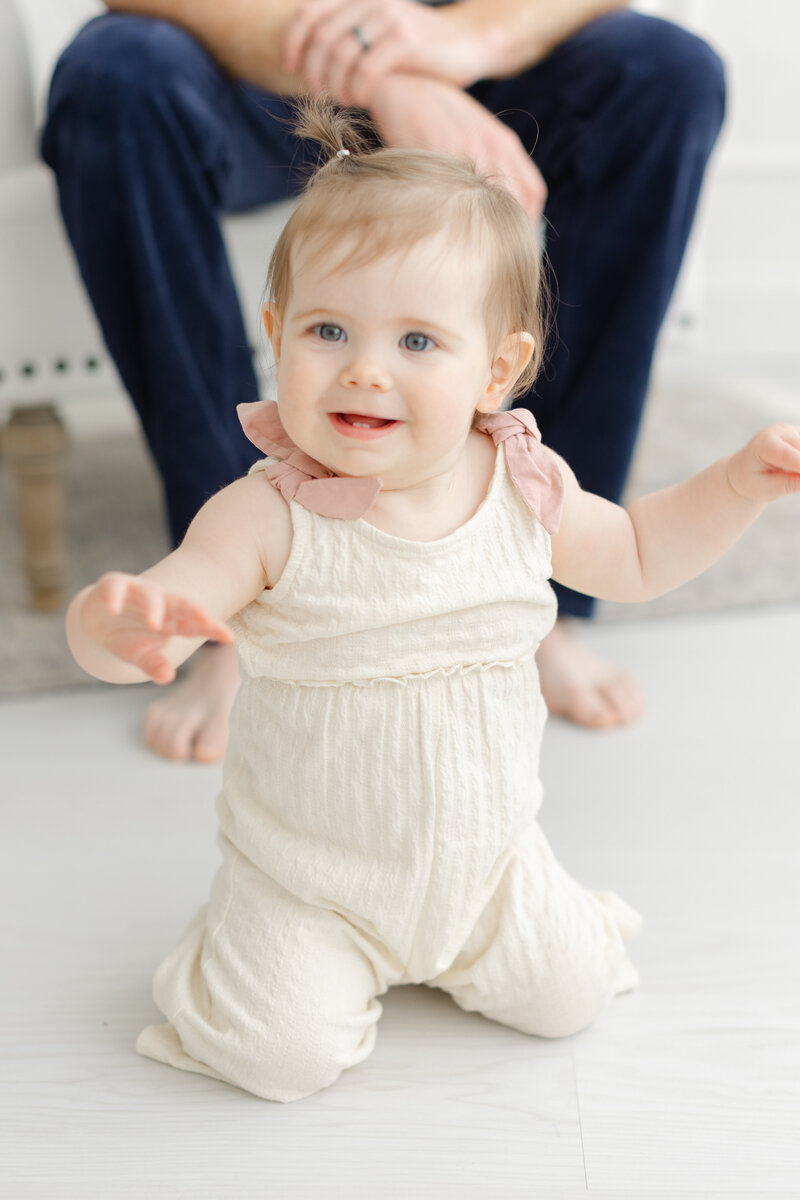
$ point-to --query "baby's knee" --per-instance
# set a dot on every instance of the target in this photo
(288, 1058)
(282, 1064)
(294, 1065)
(573, 1000)
(553, 995)
(563, 1014)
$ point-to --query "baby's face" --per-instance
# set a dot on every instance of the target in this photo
(381, 367)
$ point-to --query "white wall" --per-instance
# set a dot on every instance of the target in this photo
(742, 283)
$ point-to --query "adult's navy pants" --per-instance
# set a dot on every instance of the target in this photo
(151, 142)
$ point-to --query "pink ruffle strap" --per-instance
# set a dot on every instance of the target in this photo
(298, 476)
(533, 468)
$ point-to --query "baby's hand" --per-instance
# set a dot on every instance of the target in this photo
(134, 619)
(768, 467)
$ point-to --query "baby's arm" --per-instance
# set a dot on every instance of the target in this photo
(667, 538)
(130, 628)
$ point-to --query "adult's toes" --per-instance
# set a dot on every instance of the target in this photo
(166, 734)
(625, 698)
(589, 705)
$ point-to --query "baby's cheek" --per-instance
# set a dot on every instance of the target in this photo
(454, 417)
(298, 397)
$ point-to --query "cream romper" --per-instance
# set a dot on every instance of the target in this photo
(377, 815)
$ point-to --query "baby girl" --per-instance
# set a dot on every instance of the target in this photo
(384, 572)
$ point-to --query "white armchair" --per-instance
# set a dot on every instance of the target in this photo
(50, 344)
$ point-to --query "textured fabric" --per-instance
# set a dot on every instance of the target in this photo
(378, 809)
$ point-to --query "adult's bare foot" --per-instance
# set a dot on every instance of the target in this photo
(582, 687)
(191, 721)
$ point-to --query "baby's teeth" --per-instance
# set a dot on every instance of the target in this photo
(361, 425)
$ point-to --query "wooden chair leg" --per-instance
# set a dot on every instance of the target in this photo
(34, 441)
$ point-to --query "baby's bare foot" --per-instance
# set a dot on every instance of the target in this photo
(191, 722)
(581, 686)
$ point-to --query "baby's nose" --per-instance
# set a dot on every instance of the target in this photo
(366, 373)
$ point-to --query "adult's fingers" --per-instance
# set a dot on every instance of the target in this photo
(347, 56)
(415, 110)
(324, 37)
(533, 193)
(299, 29)
(371, 67)
(520, 174)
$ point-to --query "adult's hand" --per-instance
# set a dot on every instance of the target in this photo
(426, 114)
(321, 43)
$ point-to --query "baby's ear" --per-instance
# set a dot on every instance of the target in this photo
(272, 324)
(510, 359)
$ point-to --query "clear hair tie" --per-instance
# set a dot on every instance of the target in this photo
(342, 153)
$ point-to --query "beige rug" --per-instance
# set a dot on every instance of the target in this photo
(114, 521)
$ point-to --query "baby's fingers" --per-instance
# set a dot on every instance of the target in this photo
(142, 649)
(112, 590)
(780, 448)
(130, 596)
(159, 668)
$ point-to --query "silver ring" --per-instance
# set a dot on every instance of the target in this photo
(359, 36)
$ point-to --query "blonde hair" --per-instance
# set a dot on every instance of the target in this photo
(370, 201)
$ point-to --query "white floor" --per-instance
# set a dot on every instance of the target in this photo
(690, 1087)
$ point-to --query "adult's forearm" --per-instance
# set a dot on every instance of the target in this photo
(244, 36)
(526, 31)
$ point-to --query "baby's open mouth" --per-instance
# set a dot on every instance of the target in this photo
(361, 427)
(359, 421)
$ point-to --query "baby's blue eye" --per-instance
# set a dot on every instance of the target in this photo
(330, 333)
(416, 341)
